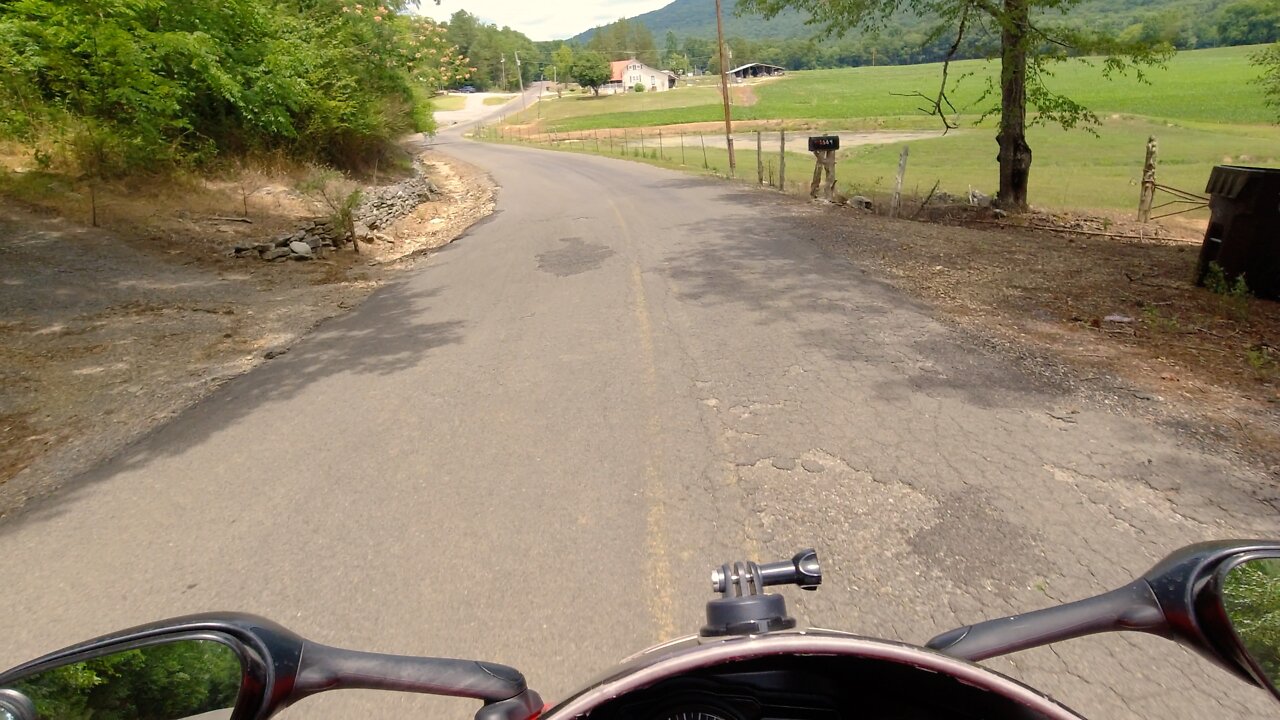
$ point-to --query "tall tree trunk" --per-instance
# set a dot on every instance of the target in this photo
(1015, 154)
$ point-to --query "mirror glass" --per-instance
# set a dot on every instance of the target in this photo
(180, 679)
(1251, 596)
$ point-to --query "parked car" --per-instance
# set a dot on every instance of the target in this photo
(467, 89)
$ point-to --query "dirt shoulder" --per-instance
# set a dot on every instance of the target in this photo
(1117, 318)
(110, 331)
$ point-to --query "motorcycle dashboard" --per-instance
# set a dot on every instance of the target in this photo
(813, 688)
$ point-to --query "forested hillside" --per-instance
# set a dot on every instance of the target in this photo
(107, 87)
(787, 40)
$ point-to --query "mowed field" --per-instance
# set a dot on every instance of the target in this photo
(1204, 108)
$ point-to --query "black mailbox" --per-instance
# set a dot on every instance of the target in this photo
(824, 142)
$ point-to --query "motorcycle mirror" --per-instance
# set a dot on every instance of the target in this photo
(1249, 589)
(16, 706)
(1192, 597)
(147, 667)
(164, 679)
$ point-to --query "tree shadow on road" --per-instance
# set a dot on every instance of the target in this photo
(774, 271)
(385, 335)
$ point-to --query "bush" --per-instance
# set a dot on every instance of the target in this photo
(123, 85)
(639, 87)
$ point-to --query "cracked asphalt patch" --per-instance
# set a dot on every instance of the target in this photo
(577, 256)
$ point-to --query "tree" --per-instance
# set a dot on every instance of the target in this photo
(671, 49)
(590, 69)
(1269, 61)
(562, 59)
(1249, 22)
(1029, 41)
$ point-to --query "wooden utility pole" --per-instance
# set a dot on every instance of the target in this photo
(895, 205)
(1148, 196)
(524, 102)
(724, 90)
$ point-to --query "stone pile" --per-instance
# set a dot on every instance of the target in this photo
(383, 206)
(314, 236)
(378, 210)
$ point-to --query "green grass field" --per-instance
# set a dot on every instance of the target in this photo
(498, 99)
(1203, 85)
(1204, 109)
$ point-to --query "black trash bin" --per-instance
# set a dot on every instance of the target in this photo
(1244, 232)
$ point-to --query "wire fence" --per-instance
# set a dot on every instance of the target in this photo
(763, 157)
(781, 160)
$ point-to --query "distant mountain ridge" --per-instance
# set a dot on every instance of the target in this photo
(697, 18)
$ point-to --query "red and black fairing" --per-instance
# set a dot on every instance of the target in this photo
(803, 675)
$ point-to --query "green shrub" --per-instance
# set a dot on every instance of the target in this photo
(123, 85)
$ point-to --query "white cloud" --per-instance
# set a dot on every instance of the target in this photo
(553, 20)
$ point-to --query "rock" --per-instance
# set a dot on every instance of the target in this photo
(861, 201)
(313, 241)
(281, 241)
(979, 198)
(1123, 319)
(263, 247)
(361, 231)
(784, 463)
(297, 247)
(274, 353)
(812, 466)
(999, 214)
(278, 253)
(382, 237)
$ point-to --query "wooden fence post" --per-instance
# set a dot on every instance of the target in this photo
(705, 164)
(895, 205)
(660, 144)
(817, 174)
(1148, 182)
(681, 149)
(641, 142)
(782, 160)
(759, 158)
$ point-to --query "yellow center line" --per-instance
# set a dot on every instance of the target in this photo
(658, 561)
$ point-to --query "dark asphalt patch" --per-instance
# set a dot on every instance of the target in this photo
(577, 256)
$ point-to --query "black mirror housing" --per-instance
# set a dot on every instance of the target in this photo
(1180, 598)
(280, 667)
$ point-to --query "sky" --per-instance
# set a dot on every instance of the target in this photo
(545, 19)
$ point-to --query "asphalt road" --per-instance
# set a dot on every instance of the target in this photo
(534, 448)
